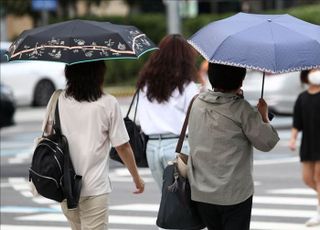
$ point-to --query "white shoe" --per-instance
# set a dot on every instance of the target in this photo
(314, 221)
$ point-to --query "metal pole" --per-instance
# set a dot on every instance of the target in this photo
(44, 17)
(173, 17)
(262, 84)
(3, 26)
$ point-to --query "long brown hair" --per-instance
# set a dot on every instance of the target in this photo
(170, 67)
(85, 80)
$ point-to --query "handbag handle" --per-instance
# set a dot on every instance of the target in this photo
(184, 127)
(136, 94)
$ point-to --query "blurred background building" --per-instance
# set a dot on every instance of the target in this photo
(17, 15)
(155, 17)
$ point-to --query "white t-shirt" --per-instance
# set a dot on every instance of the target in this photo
(91, 127)
(167, 117)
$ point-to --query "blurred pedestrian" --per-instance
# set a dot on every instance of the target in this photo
(223, 129)
(306, 118)
(166, 85)
(92, 121)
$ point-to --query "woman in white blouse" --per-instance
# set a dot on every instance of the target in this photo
(166, 84)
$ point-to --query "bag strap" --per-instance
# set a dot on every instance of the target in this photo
(184, 127)
(51, 109)
(71, 189)
(56, 125)
(136, 95)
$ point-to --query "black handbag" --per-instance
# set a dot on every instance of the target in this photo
(138, 140)
(177, 210)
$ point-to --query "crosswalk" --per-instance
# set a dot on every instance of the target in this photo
(278, 209)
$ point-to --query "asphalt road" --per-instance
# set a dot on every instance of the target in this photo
(281, 200)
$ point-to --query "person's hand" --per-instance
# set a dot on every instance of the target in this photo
(139, 185)
(292, 144)
(263, 109)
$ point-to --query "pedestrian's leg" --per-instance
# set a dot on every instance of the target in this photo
(308, 168)
(317, 181)
(210, 215)
(72, 215)
(311, 176)
(94, 213)
(237, 216)
(153, 151)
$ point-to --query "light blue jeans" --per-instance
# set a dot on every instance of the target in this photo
(159, 153)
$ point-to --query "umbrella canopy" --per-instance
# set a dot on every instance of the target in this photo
(77, 41)
(269, 43)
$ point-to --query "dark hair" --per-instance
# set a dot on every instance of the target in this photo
(170, 67)
(85, 80)
(225, 77)
(304, 76)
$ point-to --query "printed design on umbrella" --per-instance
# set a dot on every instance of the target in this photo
(136, 40)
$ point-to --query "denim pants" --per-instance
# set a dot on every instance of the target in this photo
(159, 153)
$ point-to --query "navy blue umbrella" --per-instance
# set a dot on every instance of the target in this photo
(268, 43)
(77, 41)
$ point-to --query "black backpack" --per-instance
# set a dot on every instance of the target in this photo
(52, 171)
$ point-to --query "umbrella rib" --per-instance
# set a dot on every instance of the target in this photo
(274, 50)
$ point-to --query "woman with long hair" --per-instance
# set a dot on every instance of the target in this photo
(166, 86)
(92, 122)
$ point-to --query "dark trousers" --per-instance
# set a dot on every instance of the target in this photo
(226, 217)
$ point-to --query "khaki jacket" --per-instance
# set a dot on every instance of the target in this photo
(223, 129)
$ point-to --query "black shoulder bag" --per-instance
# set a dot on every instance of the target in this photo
(177, 210)
(138, 140)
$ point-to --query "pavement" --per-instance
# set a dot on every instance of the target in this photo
(27, 114)
(34, 114)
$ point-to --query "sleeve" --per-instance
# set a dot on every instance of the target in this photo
(117, 131)
(191, 90)
(297, 115)
(261, 135)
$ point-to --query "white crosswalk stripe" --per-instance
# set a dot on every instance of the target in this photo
(270, 212)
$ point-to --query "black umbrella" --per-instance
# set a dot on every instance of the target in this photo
(77, 41)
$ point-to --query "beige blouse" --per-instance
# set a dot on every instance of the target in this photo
(91, 128)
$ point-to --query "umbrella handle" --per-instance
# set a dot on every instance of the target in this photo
(262, 89)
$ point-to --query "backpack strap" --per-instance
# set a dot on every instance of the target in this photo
(56, 125)
(50, 111)
(71, 186)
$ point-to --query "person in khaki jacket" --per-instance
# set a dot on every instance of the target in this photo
(223, 129)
